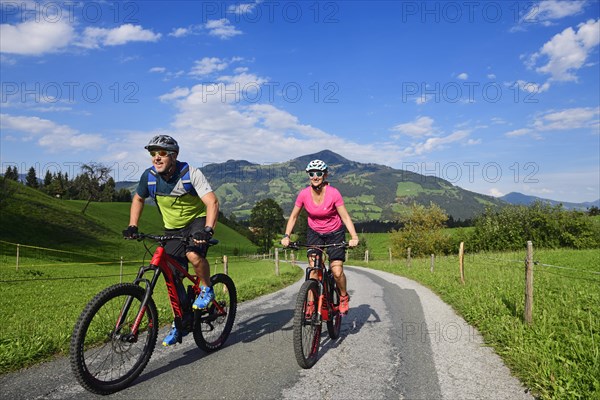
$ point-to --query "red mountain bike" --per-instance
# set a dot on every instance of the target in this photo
(116, 333)
(318, 300)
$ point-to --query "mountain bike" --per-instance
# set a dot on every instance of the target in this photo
(116, 333)
(318, 300)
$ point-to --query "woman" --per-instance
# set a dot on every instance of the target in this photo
(326, 217)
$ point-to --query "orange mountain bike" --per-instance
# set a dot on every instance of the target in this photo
(116, 333)
(317, 302)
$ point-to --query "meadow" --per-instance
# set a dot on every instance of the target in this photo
(558, 355)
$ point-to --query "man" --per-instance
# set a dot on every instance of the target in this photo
(188, 207)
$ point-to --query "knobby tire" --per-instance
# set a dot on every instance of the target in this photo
(307, 328)
(334, 324)
(210, 329)
(102, 359)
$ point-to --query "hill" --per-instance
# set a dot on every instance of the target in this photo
(371, 191)
(33, 218)
(523, 199)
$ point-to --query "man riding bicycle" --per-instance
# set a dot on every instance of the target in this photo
(187, 205)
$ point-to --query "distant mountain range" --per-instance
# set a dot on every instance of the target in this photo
(371, 191)
(523, 199)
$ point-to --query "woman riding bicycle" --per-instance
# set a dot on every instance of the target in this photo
(188, 207)
(326, 216)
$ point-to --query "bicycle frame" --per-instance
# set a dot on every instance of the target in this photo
(162, 263)
(323, 278)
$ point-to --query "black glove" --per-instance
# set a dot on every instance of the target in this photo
(130, 232)
(205, 235)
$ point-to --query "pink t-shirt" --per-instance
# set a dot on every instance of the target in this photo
(322, 218)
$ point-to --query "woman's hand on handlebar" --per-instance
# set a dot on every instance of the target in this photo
(353, 242)
(285, 242)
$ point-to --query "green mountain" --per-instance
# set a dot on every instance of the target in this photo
(371, 191)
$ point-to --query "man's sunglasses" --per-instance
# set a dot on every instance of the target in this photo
(162, 153)
(315, 173)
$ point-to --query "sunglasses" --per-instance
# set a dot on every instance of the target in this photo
(162, 153)
(317, 173)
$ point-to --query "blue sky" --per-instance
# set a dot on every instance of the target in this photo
(494, 96)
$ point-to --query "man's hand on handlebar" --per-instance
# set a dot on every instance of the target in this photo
(203, 236)
(131, 232)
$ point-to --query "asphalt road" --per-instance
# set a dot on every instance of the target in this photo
(399, 341)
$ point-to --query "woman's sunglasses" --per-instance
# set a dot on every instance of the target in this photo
(162, 153)
(315, 173)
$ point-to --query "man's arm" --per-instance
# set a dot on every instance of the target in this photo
(137, 206)
(212, 208)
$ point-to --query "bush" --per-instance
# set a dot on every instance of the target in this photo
(547, 226)
(423, 232)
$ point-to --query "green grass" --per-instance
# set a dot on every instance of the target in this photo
(558, 357)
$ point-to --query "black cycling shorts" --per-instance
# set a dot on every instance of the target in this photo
(177, 249)
(334, 253)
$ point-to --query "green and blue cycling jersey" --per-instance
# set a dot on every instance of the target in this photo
(177, 207)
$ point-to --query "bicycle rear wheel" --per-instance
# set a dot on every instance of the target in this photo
(307, 325)
(334, 324)
(106, 358)
(213, 326)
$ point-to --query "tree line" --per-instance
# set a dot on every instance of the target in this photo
(94, 183)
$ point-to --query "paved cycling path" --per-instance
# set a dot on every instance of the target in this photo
(399, 341)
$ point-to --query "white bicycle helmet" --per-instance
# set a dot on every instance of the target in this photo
(316, 165)
(164, 142)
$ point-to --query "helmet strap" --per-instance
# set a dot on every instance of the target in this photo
(319, 187)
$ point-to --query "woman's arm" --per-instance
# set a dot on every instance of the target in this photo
(343, 212)
(290, 225)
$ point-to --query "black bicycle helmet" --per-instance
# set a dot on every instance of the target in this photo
(164, 142)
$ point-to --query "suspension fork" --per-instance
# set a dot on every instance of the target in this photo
(143, 305)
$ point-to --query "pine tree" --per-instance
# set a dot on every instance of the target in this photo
(31, 179)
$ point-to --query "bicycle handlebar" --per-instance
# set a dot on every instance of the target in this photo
(296, 245)
(163, 238)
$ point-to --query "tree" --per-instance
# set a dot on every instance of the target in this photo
(47, 178)
(266, 219)
(94, 176)
(31, 179)
(11, 173)
(422, 231)
(7, 191)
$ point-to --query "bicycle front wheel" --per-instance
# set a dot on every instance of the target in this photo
(307, 325)
(213, 325)
(106, 356)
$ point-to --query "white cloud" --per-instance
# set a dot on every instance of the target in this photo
(222, 28)
(95, 37)
(35, 38)
(159, 70)
(495, 192)
(436, 143)
(208, 65)
(563, 120)
(50, 135)
(190, 30)
(491, 76)
(463, 76)
(243, 8)
(572, 118)
(548, 10)
(421, 126)
(567, 51)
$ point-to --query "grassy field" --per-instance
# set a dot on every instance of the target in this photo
(558, 357)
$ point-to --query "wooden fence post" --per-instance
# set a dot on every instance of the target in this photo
(17, 267)
(432, 262)
(276, 261)
(121, 271)
(225, 265)
(461, 262)
(408, 257)
(528, 313)
(367, 256)
(390, 253)
(293, 258)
